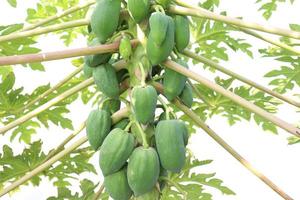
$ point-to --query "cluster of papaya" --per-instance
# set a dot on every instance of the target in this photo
(138, 152)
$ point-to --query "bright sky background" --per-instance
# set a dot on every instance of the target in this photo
(268, 153)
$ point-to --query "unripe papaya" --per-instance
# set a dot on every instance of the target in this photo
(153, 195)
(122, 124)
(159, 53)
(98, 59)
(125, 48)
(158, 23)
(170, 145)
(97, 127)
(105, 18)
(138, 9)
(117, 185)
(115, 150)
(187, 96)
(164, 3)
(144, 99)
(87, 71)
(111, 105)
(106, 79)
(174, 82)
(182, 32)
(143, 170)
(185, 133)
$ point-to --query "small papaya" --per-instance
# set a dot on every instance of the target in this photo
(98, 59)
(143, 170)
(153, 195)
(106, 79)
(144, 99)
(97, 127)
(105, 18)
(87, 71)
(121, 124)
(182, 32)
(159, 53)
(115, 150)
(187, 96)
(174, 82)
(170, 145)
(111, 105)
(164, 3)
(125, 48)
(138, 9)
(117, 185)
(158, 23)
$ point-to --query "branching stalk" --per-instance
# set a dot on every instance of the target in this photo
(194, 11)
(237, 99)
(116, 117)
(32, 58)
(59, 15)
(48, 29)
(198, 94)
(226, 146)
(99, 192)
(239, 77)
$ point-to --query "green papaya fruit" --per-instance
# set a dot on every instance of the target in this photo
(97, 127)
(159, 53)
(106, 79)
(105, 18)
(174, 82)
(153, 195)
(187, 96)
(182, 32)
(164, 3)
(115, 150)
(121, 124)
(158, 23)
(144, 99)
(117, 185)
(185, 133)
(98, 59)
(125, 48)
(170, 145)
(143, 170)
(138, 9)
(87, 71)
(111, 105)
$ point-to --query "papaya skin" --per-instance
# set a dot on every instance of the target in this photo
(138, 9)
(182, 32)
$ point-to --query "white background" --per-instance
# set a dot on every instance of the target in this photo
(268, 153)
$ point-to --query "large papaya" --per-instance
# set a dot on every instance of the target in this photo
(170, 145)
(144, 99)
(182, 32)
(105, 18)
(187, 96)
(174, 82)
(98, 59)
(115, 150)
(143, 170)
(138, 9)
(111, 105)
(97, 127)
(159, 53)
(117, 185)
(158, 23)
(106, 79)
(153, 195)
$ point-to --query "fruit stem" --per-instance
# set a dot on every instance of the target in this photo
(128, 126)
(195, 11)
(143, 134)
(176, 185)
(143, 73)
(241, 78)
(167, 109)
(232, 96)
(198, 93)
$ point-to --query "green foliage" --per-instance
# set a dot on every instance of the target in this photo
(193, 185)
(269, 6)
(13, 3)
